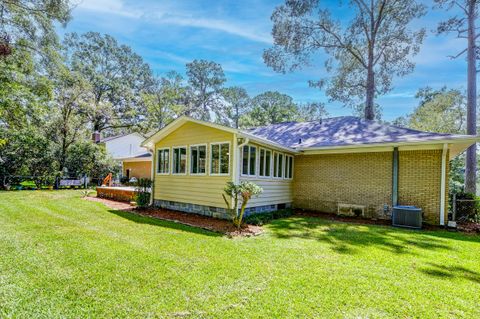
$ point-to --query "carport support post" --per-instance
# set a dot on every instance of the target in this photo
(395, 177)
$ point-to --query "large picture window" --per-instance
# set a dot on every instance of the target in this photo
(249, 160)
(198, 158)
(179, 160)
(220, 158)
(163, 161)
(288, 166)
(278, 165)
(265, 162)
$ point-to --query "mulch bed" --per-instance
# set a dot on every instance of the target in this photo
(346, 219)
(469, 227)
(209, 223)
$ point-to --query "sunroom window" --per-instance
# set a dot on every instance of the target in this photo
(288, 166)
(278, 165)
(163, 161)
(265, 162)
(179, 160)
(220, 158)
(198, 158)
(249, 160)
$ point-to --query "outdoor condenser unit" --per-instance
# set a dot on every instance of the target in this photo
(407, 216)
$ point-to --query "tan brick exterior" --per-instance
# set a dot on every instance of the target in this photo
(420, 180)
(322, 181)
(138, 169)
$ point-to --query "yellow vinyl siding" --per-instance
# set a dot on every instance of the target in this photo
(275, 190)
(194, 189)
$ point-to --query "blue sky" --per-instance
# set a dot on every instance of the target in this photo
(168, 34)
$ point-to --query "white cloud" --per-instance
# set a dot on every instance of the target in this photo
(119, 7)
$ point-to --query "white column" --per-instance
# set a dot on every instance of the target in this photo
(443, 183)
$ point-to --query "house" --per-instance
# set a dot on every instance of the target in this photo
(136, 160)
(320, 166)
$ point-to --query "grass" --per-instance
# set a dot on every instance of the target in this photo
(64, 257)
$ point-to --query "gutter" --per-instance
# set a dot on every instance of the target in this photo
(152, 175)
(443, 183)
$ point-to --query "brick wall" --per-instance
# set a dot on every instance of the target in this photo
(420, 181)
(322, 181)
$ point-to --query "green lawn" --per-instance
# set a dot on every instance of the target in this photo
(64, 257)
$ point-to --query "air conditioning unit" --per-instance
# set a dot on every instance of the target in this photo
(407, 216)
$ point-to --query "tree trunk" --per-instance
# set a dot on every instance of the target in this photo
(370, 94)
(471, 158)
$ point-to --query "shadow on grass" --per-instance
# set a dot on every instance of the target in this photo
(163, 223)
(450, 272)
(347, 238)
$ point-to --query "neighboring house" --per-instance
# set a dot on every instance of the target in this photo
(312, 165)
(136, 160)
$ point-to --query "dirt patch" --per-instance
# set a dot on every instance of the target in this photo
(209, 223)
(111, 203)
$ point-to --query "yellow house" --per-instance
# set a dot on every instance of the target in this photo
(321, 165)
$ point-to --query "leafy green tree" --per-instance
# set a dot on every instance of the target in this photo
(365, 55)
(270, 108)
(312, 111)
(237, 104)
(27, 152)
(117, 76)
(463, 25)
(164, 101)
(206, 79)
(85, 157)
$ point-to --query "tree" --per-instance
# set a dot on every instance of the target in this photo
(206, 79)
(270, 108)
(364, 56)
(164, 101)
(441, 111)
(72, 98)
(29, 24)
(238, 103)
(463, 26)
(244, 191)
(117, 75)
(313, 111)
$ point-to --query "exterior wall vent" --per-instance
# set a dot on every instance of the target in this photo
(407, 216)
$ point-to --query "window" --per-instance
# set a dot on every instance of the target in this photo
(278, 165)
(288, 166)
(249, 160)
(179, 160)
(220, 158)
(198, 158)
(163, 161)
(265, 163)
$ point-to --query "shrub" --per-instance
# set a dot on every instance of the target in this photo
(244, 191)
(142, 192)
(263, 218)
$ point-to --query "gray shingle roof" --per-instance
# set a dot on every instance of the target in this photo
(341, 131)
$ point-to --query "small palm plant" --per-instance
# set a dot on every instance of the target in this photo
(244, 191)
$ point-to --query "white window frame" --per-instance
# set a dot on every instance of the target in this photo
(186, 159)
(286, 166)
(249, 161)
(282, 169)
(169, 160)
(210, 157)
(190, 156)
(265, 162)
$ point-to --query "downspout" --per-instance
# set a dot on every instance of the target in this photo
(443, 182)
(395, 177)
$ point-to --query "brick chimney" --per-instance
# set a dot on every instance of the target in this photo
(96, 137)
